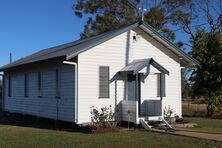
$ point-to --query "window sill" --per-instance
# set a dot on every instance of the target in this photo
(104, 97)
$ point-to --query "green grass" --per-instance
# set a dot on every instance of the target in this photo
(13, 136)
(207, 124)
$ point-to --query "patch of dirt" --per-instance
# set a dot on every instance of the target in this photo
(217, 137)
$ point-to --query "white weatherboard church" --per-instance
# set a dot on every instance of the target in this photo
(134, 68)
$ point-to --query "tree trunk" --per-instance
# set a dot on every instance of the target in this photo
(209, 105)
(208, 110)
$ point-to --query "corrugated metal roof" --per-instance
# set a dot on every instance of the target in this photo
(72, 49)
(137, 65)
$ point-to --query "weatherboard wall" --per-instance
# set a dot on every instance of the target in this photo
(48, 105)
(116, 53)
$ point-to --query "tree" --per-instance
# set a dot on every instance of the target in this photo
(187, 91)
(105, 15)
(207, 78)
(207, 10)
(206, 44)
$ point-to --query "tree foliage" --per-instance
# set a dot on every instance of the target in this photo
(187, 91)
(105, 15)
(207, 78)
(206, 41)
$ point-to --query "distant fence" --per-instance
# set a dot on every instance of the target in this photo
(191, 109)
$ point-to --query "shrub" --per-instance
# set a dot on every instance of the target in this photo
(102, 117)
(168, 114)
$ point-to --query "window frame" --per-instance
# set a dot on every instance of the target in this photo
(108, 95)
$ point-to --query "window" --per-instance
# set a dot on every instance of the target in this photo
(57, 78)
(9, 85)
(39, 84)
(161, 85)
(26, 85)
(104, 82)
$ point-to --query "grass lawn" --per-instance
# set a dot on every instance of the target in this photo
(14, 136)
(207, 124)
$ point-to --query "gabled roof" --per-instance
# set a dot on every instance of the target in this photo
(72, 49)
(137, 65)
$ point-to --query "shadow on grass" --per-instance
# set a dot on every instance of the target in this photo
(39, 122)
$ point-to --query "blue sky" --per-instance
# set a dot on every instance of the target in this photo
(27, 26)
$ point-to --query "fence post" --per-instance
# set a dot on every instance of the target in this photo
(188, 108)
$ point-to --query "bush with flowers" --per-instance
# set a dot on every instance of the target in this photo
(168, 114)
(103, 116)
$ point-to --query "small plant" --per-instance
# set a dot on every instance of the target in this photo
(168, 112)
(102, 117)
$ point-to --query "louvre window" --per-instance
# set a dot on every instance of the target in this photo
(26, 85)
(104, 82)
(161, 85)
(9, 85)
(57, 78)
(40, 84)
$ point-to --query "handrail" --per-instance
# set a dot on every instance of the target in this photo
(145, 125)
(167, 124)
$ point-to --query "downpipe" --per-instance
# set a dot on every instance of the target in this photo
(76, 93)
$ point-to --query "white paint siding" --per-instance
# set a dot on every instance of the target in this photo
(46, 106)
(116, 53)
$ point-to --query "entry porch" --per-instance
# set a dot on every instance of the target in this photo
(134, 108)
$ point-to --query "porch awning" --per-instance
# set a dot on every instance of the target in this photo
(137, 65)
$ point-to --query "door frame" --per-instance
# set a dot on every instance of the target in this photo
(137, 89)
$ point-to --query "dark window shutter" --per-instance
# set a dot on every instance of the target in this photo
(163, 82)
(103, 82)
(57, 77)
(26, 85)
(39, 84)
(9, 85)
(161, 85)
(158, 85)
